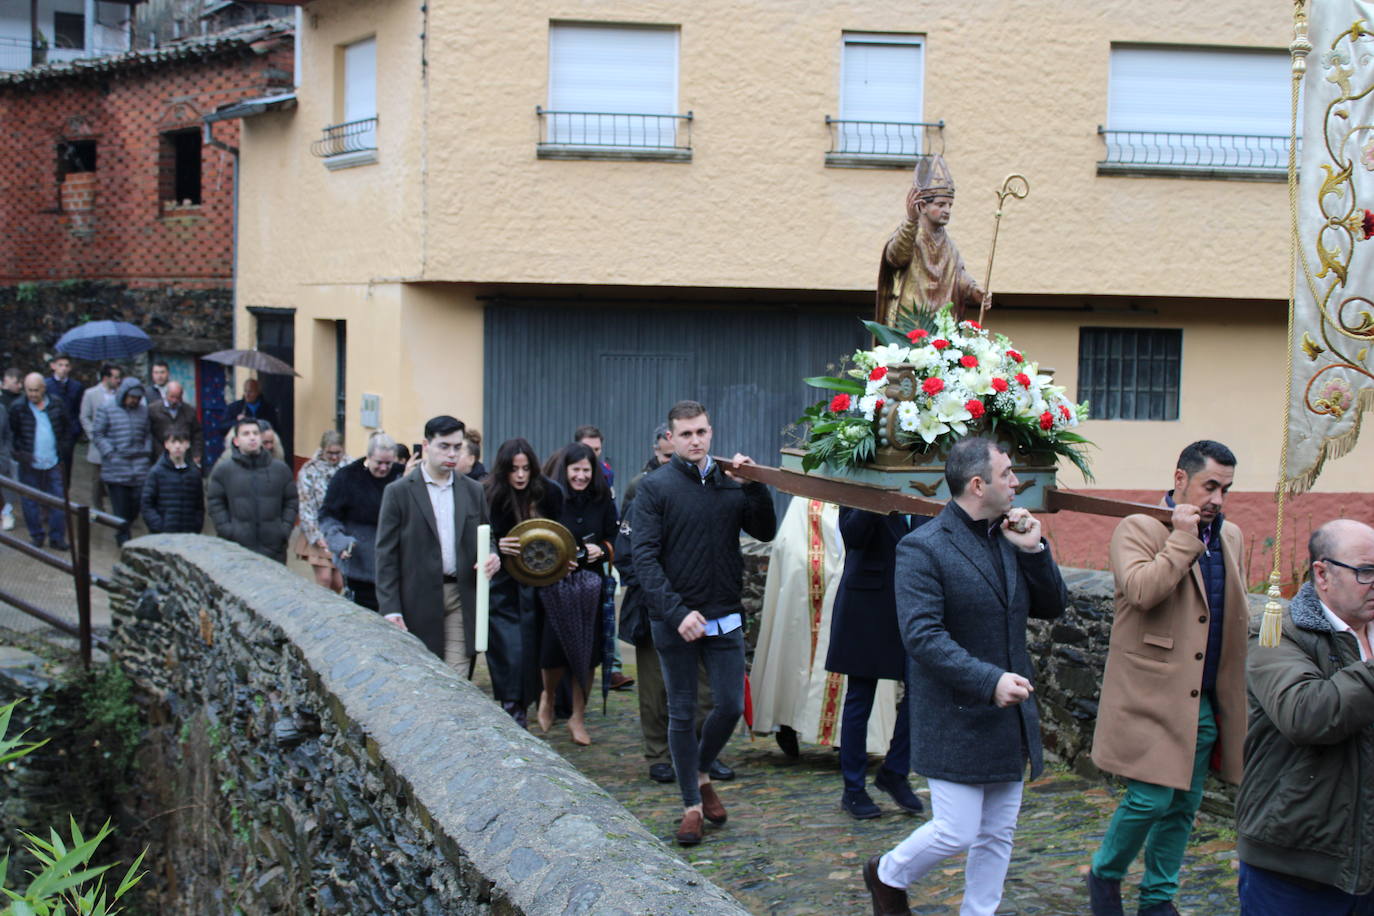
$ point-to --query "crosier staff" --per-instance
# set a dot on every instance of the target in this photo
(1014, 186)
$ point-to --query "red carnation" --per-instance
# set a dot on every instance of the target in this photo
(1046, 420)
(975, 407)
(878, 373)
(973, 324)
(917, 335)
(839, 403)
(933, 386)
(1015, 356)
(1368, 225)
(999, 384)
(968, 362)
(1023, 379)
(939, 343)
(1065, 412)
(878, 405)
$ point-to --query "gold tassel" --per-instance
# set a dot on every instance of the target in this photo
(1271, 627)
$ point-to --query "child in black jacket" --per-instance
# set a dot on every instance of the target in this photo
(173, 500)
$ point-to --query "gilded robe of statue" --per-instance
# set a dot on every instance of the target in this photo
(922, 270)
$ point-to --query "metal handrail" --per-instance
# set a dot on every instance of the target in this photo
(1160, 149)
(905, 139)
(348, 137)
(615, 130)
(79, 518)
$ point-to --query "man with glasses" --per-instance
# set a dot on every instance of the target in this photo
(1174, 689)
(1304, 810)
(427, 548)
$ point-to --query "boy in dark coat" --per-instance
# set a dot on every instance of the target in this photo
(172, 499)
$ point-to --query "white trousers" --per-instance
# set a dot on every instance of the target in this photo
(977, 818)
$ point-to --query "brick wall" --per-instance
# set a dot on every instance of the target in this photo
(118, 222)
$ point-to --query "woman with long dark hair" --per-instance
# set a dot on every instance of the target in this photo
(516, 491)
(573, 606)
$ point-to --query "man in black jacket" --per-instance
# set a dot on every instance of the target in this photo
(685, 541)
(251, 496)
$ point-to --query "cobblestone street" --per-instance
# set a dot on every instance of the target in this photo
(789, 849)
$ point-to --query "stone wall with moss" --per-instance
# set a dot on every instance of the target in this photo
(312, 758)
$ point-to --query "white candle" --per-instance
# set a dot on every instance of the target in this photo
(483, 588)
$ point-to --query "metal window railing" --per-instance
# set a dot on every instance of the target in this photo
(615, 130)
(893, 139)
(1129, 150)
(348, 137)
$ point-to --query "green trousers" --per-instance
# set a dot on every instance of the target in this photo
(1159, 819)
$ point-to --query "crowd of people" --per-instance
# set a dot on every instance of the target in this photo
(938, 606)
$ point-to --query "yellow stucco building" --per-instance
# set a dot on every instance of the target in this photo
(541, 214)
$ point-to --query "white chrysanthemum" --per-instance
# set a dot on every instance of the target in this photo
(868, 405)
(890, 354)
(908, 416)
(874, 386)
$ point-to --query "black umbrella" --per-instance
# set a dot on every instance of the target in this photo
(608, 638)
(252, 359)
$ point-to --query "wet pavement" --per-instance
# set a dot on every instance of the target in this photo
(789, 849)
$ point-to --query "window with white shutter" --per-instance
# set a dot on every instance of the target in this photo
(1210, 111)
(613, 93)
(881, 104)
(353, 141)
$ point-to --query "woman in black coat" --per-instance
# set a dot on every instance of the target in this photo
(573, 606)
(516, 491)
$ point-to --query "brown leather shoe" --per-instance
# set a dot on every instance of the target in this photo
(689, 831)
(887, 901)
(711, 805)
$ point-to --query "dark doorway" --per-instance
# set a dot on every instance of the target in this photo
(340, 375)
(277, 337)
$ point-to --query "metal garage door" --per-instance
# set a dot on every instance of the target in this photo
(550, 369)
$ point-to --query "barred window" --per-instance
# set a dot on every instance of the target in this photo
(1130, 373)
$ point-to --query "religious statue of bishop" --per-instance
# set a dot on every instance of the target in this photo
(921, 269)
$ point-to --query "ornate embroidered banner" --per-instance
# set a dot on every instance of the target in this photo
(1333, 312)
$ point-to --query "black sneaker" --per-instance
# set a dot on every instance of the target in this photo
(1166, 908)
(721, 772)
(662, 772)
(1105, 896)
(859, 805)
(900, 790)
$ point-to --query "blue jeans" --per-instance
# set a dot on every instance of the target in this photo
(858, 705)
(49, 481)
(1267, 893)
(723, 658)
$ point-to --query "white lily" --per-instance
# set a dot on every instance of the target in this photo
(949, 408)
(930, 427)
(890, 354)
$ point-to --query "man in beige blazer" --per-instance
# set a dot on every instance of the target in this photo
(1174, 689)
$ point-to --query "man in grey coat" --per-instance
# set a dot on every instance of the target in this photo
(252, 498)
(966, 583)
(92, 399)
(427, 548)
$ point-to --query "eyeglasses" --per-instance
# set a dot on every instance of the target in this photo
(1364, 575)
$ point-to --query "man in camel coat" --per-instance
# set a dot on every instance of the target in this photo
(1174, 689)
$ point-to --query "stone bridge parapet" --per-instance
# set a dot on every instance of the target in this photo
(313, 758)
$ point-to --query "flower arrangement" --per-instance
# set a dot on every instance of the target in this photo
(924, 389)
